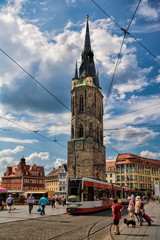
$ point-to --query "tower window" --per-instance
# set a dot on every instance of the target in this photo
(91, 130)
(72, 132)
(97, 133)
(81, 104)
(81, 131)
(73, 105)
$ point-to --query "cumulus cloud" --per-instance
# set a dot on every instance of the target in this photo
(149, 154)
(37, 156)
(59, 162)
(7, 161)
(147, 11)
(7, 152)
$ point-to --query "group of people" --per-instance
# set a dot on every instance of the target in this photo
(54, 201)
(135, 208)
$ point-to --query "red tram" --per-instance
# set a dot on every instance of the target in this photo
(91, 195)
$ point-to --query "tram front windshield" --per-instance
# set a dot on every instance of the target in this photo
(74, 190)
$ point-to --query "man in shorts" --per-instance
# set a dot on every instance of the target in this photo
(116, 214)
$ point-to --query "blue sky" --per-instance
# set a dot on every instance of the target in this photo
(46, 38)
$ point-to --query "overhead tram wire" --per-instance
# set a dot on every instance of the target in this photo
(34, 148)
(118, 59)
(44, 89)
(32, 131)
(126, 30)
(34, 79)
(135, 110)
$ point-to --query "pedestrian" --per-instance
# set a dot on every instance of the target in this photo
(53, 202)
(57, 201)
(43, 201)
(131, 208)
(133, 198)
(139, 209)
(30, 201)
(63, 199)
(116, 214)
(9, 202)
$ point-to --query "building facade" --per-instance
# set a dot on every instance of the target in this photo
(62, 177)
(111, 171)
(23, 177)
(52, 181)
(137, 172)
(86, 152)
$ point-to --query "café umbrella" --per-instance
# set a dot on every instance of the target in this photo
(3, 190)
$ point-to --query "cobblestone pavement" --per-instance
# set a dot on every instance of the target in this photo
(61, 226)
(144, 232)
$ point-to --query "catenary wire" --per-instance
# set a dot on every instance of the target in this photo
(35, 148)
(119, 55)
(125, 31)
(32, 131)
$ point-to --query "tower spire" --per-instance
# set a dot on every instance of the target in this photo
(87, 43)
(76, 71)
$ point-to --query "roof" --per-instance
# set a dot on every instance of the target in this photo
(54, 172)
(131, 158)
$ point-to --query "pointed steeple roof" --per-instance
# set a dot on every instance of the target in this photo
(76, 72)
(87, 43)
(87, 67)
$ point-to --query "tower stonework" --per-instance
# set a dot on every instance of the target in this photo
(86, 152)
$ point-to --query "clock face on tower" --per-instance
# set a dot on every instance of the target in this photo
(78, 145)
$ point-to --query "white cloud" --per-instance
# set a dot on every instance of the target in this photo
(149, 154)
(157, 80)
(7, 161)
(145, 10)
(17, 140)
(59, 162)
(37, 156)
(7, 152)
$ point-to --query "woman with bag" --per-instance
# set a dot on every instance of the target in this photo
(131, 208)
(139, 209)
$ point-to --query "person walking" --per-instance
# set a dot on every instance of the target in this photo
(139, 209)
(53, 202)
(43, 201)
(116, 214)
(9, 202)
(131, 208)
(30, 201)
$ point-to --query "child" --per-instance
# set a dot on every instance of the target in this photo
(116, 213)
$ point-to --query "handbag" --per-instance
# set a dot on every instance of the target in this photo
(38, 209)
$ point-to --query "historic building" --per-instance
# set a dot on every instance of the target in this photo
(56, 180)
(86, 152)
(111, 171)
(52, 182)
(23, 177)
(136, 172)
(62, 177)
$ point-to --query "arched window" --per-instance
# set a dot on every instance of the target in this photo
(81, 103)
(73, 105)
(72, 132)
(91, 130)
(97, 133)
(101, 136)
(81, 131)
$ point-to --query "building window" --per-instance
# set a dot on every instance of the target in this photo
(81, 104)
(81, 131)
(111, 175)
(73, 106)
(72, 132)
(91, 130)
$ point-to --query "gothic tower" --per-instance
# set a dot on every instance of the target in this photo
(86, 152)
